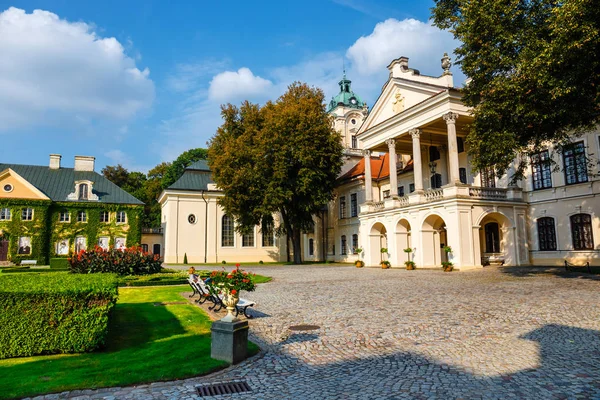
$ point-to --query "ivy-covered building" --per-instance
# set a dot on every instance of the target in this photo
(50, 211)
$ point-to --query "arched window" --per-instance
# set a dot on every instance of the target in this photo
(546, 233)
(268, 233)
(354, 242)
(581, 231)
(83, 191)
(227, 231)
(492, 238)
(248, 239)
(343, 249)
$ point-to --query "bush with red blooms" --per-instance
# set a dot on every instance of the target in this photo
(232, 282)
(128, 261)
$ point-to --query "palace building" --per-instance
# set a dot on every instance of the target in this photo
(408, 183)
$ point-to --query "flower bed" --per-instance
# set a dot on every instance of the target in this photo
(129, 261)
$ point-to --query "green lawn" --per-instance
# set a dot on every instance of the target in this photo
(146, 343)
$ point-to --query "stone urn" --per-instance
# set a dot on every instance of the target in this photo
(230, 301)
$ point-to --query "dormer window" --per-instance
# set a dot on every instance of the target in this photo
(83, 191)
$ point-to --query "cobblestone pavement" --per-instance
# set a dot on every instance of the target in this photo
(496, 333)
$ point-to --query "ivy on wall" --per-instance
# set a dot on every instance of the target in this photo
(46, 229)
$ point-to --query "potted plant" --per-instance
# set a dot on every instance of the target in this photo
(448, 266)
(410, 265)
(359, 263)
(385, 264)
(230, 284)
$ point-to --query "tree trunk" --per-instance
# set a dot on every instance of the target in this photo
(297, 234)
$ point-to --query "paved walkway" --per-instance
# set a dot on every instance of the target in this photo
(496, 333)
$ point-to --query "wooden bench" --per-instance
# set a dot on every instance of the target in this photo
(28, 262)
(205, 293)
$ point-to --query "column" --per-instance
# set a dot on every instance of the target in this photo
(393, 172)
(417, 164)
(453, 174)
(368, 178)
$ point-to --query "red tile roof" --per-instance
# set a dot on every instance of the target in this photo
(380, 169)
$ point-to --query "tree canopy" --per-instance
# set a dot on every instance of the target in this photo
(535, 72)
(147, 187)
(282, 158)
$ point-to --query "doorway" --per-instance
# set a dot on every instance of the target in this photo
(3, 250)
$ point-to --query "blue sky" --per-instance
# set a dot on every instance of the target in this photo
(138, 82)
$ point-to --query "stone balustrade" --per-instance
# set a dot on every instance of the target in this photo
(446, 193)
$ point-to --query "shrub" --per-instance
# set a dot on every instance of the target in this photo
(185, 261)
(223, 262)
(54, 313)
(261, 262)
(130, 261)
(59, 263)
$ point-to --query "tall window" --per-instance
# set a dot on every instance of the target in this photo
(354, 142)
(575, 163)
(436, 181)
(488, 177)
(386, 194)
(83, 191)
(581, 231)
(342, 207)
(27, 214)
(492, 238)
(268, 233)
(411, 187)
(434, 153)
(354, 242)
(353, 205)
(462, 175)
(4, 214)
(227, 231)
(541, 171)
(311, 247)
(400, 191)
(546, 234)
(248, 239)
(343, 249)
(121, 217)
(81, 216)
(104, 216)
(460, 144)
(144, 248)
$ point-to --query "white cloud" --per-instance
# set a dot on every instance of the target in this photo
(117, 156)
(423, 43)
(53, 71)
(240, 85)
(187, 76)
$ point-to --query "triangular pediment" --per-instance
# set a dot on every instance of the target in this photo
(14, 186)
(397, 96)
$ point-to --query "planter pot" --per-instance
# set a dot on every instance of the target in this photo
(359, 264)
(385, 266)
(230, 301)
(448, 268)
(410, 267)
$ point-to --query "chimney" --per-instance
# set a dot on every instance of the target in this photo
(55, 161)
(84, 163)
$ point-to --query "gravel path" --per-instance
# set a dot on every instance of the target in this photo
(496, 333)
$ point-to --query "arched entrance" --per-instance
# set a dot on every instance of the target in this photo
(434, 238)
(496, 240)
(403, 241)
(377, 241)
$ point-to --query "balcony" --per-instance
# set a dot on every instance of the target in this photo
(157, 231)
(447, 193)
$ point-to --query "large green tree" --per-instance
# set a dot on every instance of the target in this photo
(281, 158)
(535, 72)
(184, 160)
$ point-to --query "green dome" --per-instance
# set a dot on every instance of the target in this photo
(346, 97)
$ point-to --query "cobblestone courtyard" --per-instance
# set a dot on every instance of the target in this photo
(495, 333)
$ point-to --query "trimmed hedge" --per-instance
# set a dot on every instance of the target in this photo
(54, 313)
(59, 263)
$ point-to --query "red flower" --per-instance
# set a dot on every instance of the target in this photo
(237, 266)
(233, 291)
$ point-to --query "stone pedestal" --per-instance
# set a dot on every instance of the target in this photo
(229, 341)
